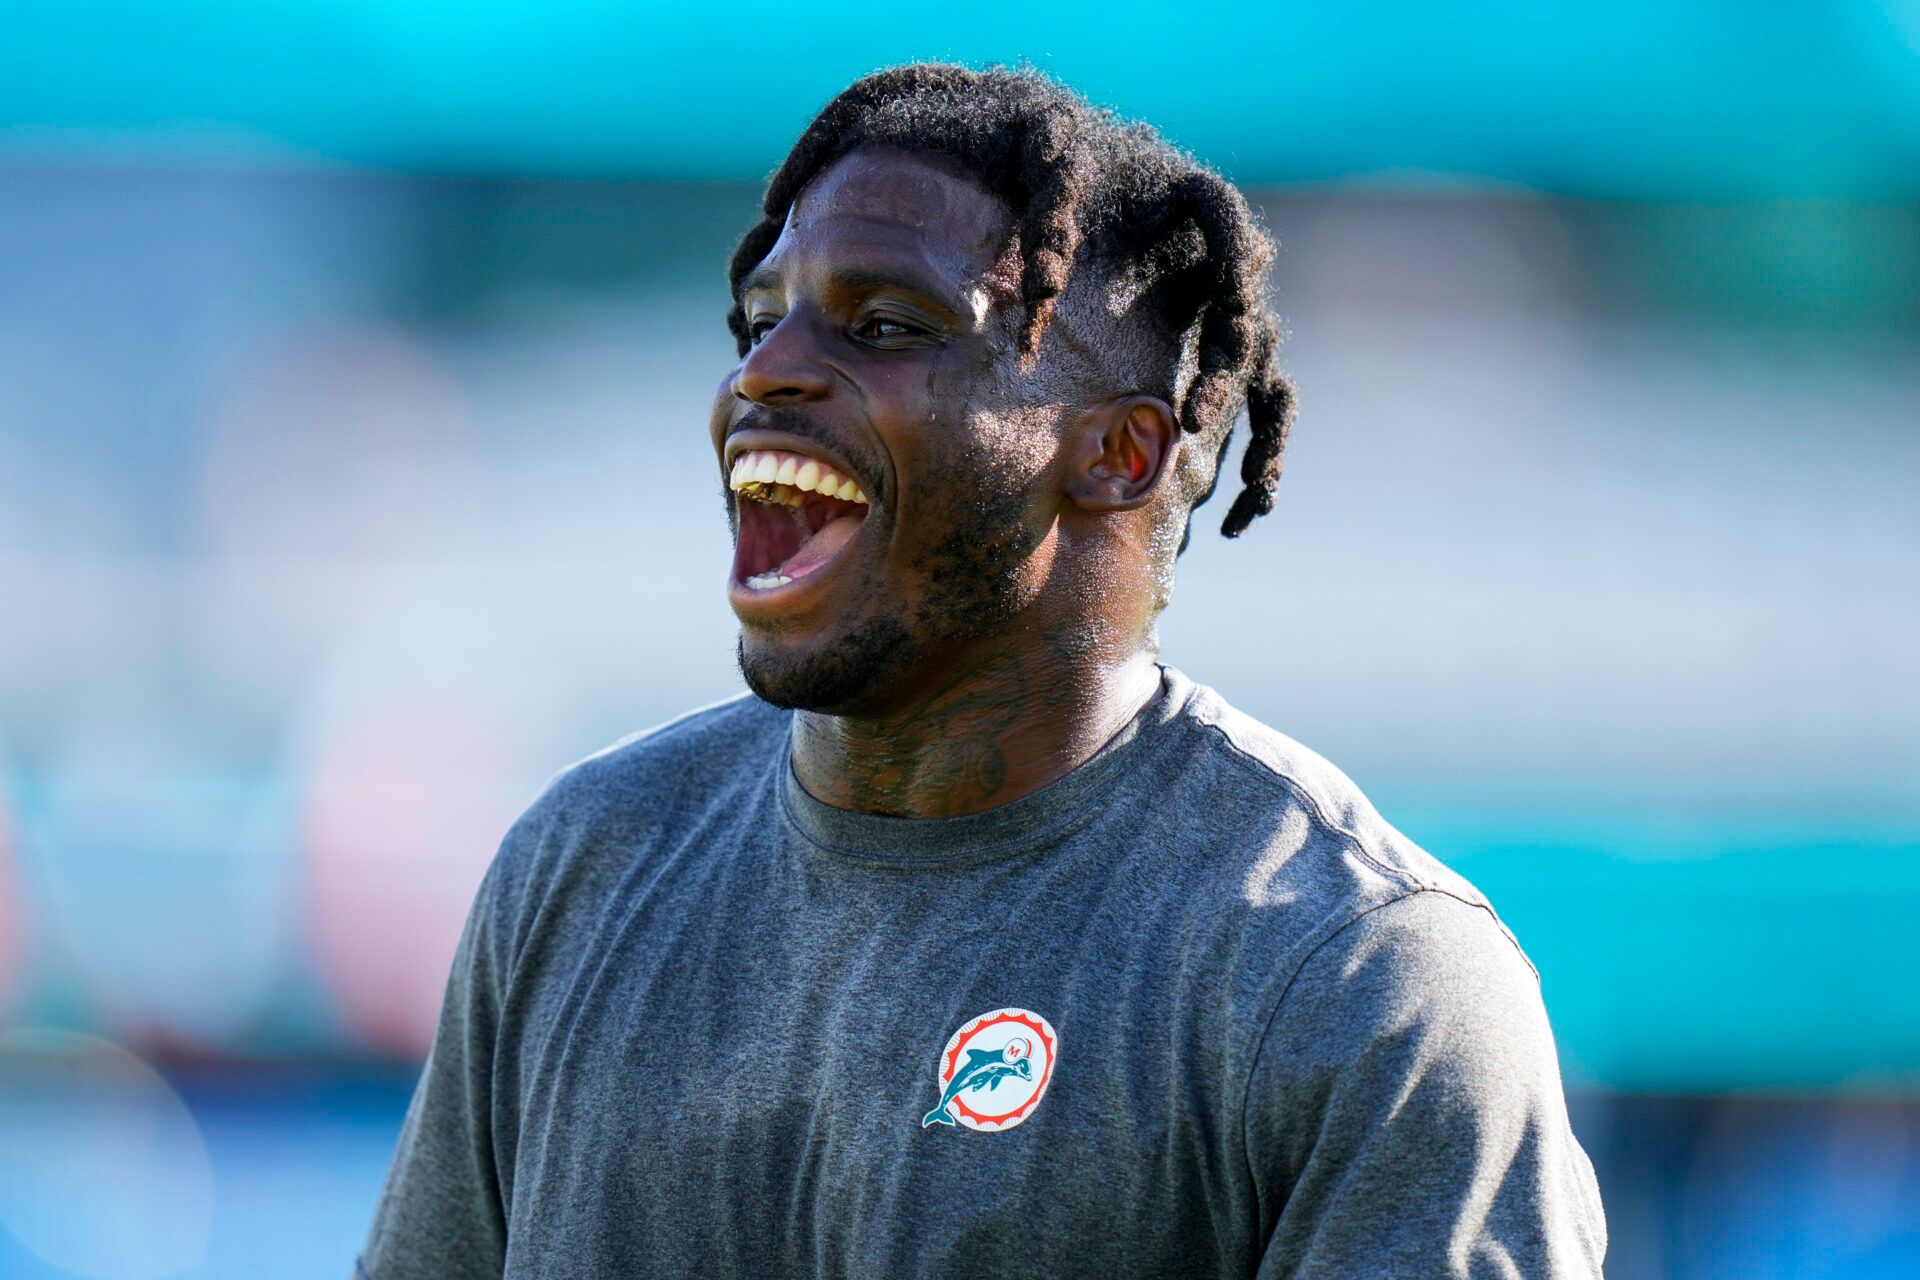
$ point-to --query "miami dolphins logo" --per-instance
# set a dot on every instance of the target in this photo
(995, 1070)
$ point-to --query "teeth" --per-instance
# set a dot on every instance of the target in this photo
(765, 581)
(785, 477)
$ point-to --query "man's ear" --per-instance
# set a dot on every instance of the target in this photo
(1117, 452)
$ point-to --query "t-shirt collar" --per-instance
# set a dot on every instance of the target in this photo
(1036, 819)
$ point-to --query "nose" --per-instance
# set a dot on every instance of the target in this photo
(783, 367)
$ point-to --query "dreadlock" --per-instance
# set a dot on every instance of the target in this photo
(1083, 186)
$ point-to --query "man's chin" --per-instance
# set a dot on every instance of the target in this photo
(833, 676)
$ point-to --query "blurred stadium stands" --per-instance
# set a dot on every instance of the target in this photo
(353, 480)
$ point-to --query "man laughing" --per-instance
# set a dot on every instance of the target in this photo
(976, 942)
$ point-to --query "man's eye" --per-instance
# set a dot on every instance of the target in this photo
(881, 329)
(759, 327)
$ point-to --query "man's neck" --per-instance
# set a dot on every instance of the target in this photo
(987, 733)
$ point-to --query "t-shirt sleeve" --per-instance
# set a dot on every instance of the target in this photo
(1405, 1115)
(441, 1214)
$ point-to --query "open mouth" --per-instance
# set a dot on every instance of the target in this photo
(796, 514)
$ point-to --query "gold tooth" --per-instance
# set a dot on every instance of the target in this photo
(757, 475)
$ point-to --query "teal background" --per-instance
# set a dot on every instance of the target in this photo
(1635, 99)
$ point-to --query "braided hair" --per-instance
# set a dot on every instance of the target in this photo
(1088, 188)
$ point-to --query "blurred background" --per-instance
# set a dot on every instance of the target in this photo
(354, 362)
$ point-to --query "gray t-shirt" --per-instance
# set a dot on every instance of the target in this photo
(1192, 1010)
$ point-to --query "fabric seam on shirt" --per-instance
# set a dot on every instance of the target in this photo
(1266, 1024)
(1299, 789)
(1401, 874)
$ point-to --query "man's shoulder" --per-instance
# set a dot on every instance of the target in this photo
(1308, 852)
(1327, 897)
(619, 799)
(676, 756)
(1303, 792)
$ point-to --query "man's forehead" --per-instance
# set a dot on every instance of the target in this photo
(899, 196)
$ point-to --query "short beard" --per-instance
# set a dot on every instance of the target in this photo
(873, 655)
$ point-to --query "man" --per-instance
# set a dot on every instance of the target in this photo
(977, 943)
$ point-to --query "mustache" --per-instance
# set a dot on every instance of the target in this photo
(798, 424)
(783, 418)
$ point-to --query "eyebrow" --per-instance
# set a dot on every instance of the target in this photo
(854, 279)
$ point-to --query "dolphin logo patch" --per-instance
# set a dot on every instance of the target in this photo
(994, 1071)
